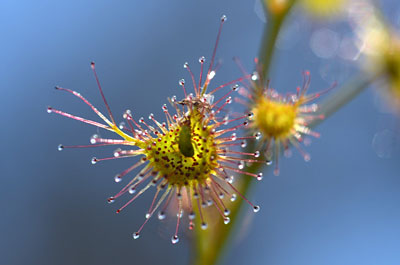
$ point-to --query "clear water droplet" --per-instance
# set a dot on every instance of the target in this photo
(111, 200)
(148, 215)
(268, 162)
(256, 208)
(60, 147)
(260, 176)
(227, 212)
(243, 144)
(241, 164)
(250, 115)
(254, 76)
(181, 82)
(211, 75)
(223, 18)
(174, 239)
(202, 59)
(121, 125)
(94, 160)
(135, 235)
(257, 154)
(221, 195)
(227, 220)
(132, 189)
(209, 202)
(117, 152)
(161, 215)
(185, 65)
(191, 215)
(233, 137)
(257, 135)
(151, 116)
(204, 226)
(233, 197)
(118, 178)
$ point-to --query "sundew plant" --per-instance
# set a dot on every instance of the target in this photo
(217, 141)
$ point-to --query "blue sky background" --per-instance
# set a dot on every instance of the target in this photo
(342, 207)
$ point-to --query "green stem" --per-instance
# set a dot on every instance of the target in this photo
(211, 243)
(271, 33)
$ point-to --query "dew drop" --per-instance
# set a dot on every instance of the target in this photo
(121, 125)
(135, 235)
(94, 138)
(221, 195)
(202, 59)
(260, 176)
(147, 215)
(181, 82)
(231, 179)
(191, 215)
(132, 189)
(185, 65)
(243, 144)
(257, 154)
(174, 239)
(94, 160)
(211, 75)
(256, 208)
(228, 100)
(49, 109)
(204, 226)
(161, 215)
(223, 18)
(254, 76)
(268, 162)
(250, 115)
(60, 147)
(117, 152)
(111, 200)
(233, 197)
(257, 135)
(235, 87)
(233, 137)
(241, 164)
(209, 202)
(227, 212)
(151, 116)
(227, 220)
(118, 178)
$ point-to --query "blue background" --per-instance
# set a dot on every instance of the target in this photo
(342, 207)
